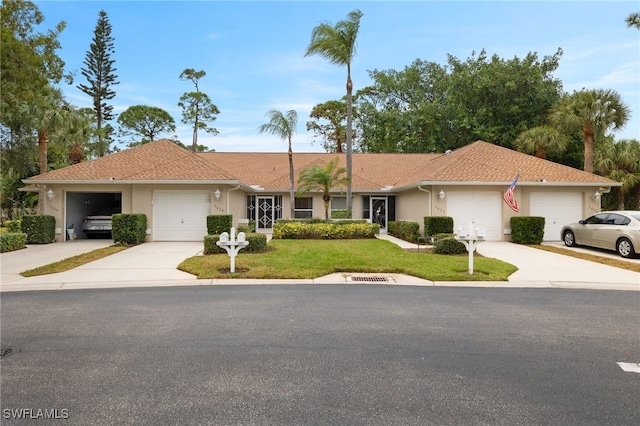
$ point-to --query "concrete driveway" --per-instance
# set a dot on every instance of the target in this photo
(148, 262)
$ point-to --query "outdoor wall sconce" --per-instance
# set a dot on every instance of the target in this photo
(50, 194)
(596, 196)
(441, 194)
(217, 194)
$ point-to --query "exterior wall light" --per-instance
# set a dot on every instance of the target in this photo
(596, 196)
(217, 194)
(441, 194)
(50, 194)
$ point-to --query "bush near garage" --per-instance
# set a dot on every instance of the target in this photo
(324, 231)
(13, 225)
(257, 243)
(434, 225)
(217, 224)
(129, 228)
(448, 245)
(10, 241)
(40, 229)
(408, 231)
(527, 229)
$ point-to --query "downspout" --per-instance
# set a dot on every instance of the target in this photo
(228, 202)
(429, 192)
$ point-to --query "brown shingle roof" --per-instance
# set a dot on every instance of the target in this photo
(165, 161)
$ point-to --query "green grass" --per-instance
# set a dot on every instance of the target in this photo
(307, 259)
(73, 262)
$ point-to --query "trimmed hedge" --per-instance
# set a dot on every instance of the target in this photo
(10, 241)
(408, 231)
(527, 229)
(448, 245)
(129, 228)
(324, 231)
(257, 243)
(219, 223)
(40, 229)
(434, 225)
(13, 225)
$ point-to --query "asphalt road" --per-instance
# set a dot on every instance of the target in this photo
(316, 355)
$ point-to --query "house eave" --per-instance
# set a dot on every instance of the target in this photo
(542, 183)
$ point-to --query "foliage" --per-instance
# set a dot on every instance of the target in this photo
(340, 214)
(307, 259)
(217, 224)
(338, 45)
(283, 126)
(40, 229)
(328, 123)
(592, 111)
(323, 179)
(129, 228)
(257, 244)
(145, 122)
(408, 231)
(327, 231)
(99, 72)
(11, 241)
(428, 107)
(527, 229)
(197, 108)
(633, 20)
(620, 161)
(434, 225)
(541, 141)
(448, 245)
(13, 225)
(73, 262)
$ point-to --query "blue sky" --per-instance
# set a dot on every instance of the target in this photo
(253, 52)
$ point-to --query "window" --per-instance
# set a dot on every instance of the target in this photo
(338, 208)
(303, 207)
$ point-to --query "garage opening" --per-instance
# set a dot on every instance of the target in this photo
(83, 204)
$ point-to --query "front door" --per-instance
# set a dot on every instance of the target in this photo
(265, 212)
(379, 212)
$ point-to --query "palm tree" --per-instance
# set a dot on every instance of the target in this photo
(540, 141)
(283, 126)
(620, 161)
(338, 45)
(594, 111)
(323, 179)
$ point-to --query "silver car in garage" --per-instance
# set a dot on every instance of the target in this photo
(614, 230)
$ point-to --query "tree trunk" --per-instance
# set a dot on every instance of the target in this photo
(349, 142)
(292, 191)
(326, 209)
(42, 164)
(588, 148)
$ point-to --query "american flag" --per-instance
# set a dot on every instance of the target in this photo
(508, 195)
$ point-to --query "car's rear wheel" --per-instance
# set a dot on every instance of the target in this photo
(569, 239)
(624, 247)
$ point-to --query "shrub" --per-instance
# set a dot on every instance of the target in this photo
(40, 229)
(316, 231)
(434, 225)
(217, 224)
(408, 231)
(13, 225)
(527, 229)
(257, 243)
(341, 214)
(448, 245)
(10, 241)
(129, 228)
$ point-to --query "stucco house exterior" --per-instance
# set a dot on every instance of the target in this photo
(177, 189)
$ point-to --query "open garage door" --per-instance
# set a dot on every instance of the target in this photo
(79, 205)
(482, 208)
(558, 209)
(180, 215)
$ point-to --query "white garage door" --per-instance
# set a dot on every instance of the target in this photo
(483, 208)
(558, 209)
(180, 215)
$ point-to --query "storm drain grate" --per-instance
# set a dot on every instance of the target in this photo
(371, 279)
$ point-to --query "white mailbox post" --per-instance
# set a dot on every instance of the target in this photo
(470, 237)
(232, 246)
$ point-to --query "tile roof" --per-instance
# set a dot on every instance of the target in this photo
(164, 161)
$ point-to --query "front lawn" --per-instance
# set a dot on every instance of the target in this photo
(307, 259)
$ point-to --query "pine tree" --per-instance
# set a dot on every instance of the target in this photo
(100, 76)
